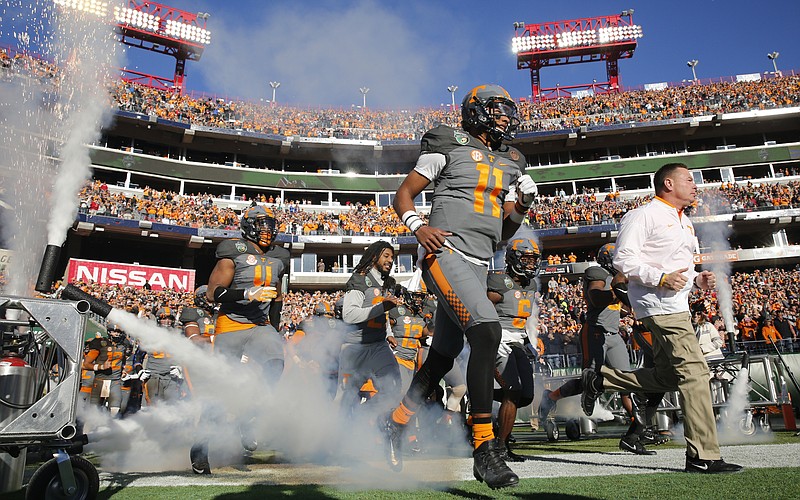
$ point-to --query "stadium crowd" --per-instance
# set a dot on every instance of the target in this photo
(200, 210)
(761, 295)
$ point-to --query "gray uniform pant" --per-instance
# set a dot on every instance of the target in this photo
(361, 362)
(679, 364)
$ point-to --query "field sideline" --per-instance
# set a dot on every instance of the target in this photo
(588, 468)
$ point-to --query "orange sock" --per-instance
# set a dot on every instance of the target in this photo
(482, 433)
(402, 415)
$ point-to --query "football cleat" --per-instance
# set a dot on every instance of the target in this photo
(490, 468)
(651, 437)
(590, 393)
(509, 456)
(199, 458)
(632, 444)
(393, 435)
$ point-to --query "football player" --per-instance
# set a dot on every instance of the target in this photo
(480, 197)
(604, 292)
(106, 357)
(513, 294)
(246, 283)
(365, 353)
(164, 378)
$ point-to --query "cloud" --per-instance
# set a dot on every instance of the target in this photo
(324, 55)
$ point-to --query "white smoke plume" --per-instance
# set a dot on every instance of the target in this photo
(293, 418)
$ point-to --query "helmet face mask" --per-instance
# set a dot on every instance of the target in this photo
(481, 109)
(522, 259)
(165, 317)
(115, 333)
(414, 301)
(258, 225)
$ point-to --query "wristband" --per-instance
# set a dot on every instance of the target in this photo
(516, 216)
(661, 280)
(94, 368)
(193, 336)
(412, 221)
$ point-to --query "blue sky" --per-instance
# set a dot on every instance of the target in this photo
(408, 52)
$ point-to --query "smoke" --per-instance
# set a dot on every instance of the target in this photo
(737, 424)
(89, 48)
(715, 235)
(295, 417)
(53, 99)
(324, 54)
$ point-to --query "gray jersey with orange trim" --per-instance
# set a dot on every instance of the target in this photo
(470, 189)
(407, 330)
(252, 268)
(106, 350)
(605, 318)
(516, 306)
(372, 330)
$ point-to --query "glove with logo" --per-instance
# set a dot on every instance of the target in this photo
(261, 293)
(176, 371)
(144, 375)
(526, 190)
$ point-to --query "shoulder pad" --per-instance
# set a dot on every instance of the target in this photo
(230, 249)
(190, 314)
(496, 282)
(595, 273)
(517, 157)
(282, 254)
(357, 282)
(443, 139)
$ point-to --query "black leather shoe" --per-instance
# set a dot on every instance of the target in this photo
(490, 468)
(632, 444)
(700, 466)
(393, 434)
(590, 393)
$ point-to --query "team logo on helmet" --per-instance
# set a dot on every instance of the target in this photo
(259, 226)
(605, 257)
(522, 259)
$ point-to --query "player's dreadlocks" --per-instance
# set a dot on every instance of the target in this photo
(369, 259)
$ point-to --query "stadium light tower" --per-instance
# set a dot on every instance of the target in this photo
(364, 91)
(602, 38)
(772, 56)
(274, 86)
(452, 89)
(692, 64)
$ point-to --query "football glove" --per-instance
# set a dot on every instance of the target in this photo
(526, 190)
(176, 371)
(144, 375)
(261, 293)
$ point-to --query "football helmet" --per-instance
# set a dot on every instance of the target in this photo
(481, 107)
(115, 333)
(165, 316)
(323, 309)
(605, 257)
(338, 309)
(414, 301)
(258, 225)
(522, 259)
(201, 299)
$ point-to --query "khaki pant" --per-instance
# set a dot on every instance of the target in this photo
(679, 364)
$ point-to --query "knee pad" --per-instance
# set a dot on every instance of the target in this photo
(514, 396)
(456, 395)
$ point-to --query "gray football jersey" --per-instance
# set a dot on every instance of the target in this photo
(517, 304)
(470, 190)
(252, 268)
(605, 318)
(372, 330)
(407, 330)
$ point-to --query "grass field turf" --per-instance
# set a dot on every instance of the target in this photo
(773, 482)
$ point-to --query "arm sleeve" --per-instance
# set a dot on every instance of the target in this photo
(631, 240)
(353, 313)
(430, 165)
